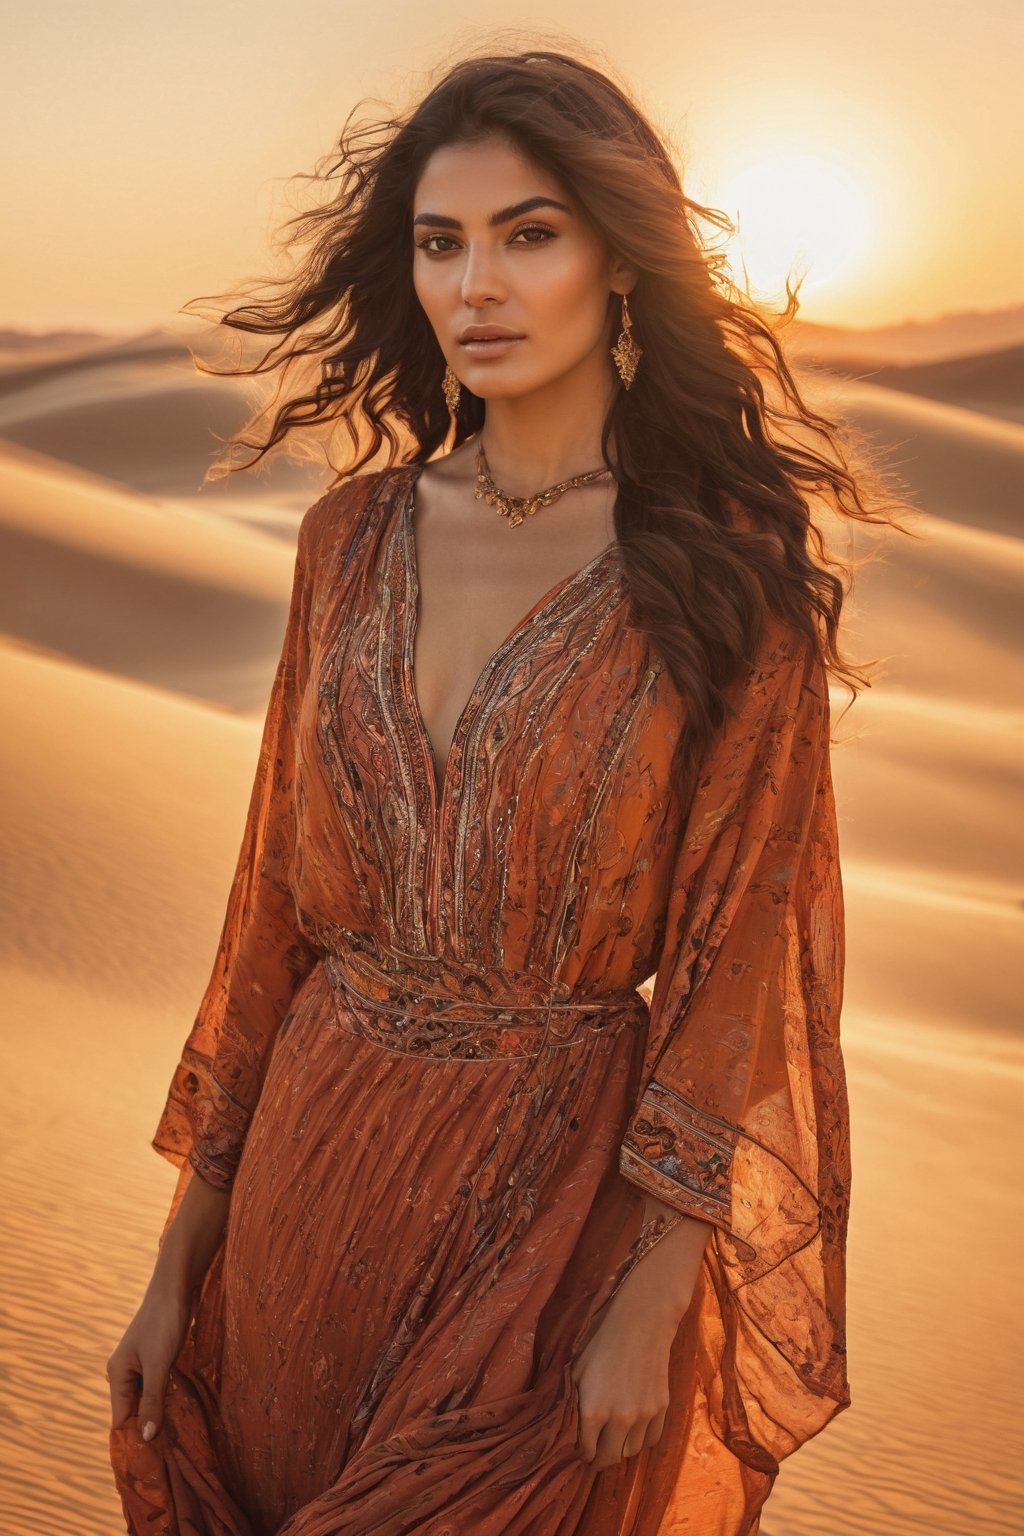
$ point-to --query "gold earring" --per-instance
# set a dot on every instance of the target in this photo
(452, 389)
(626, 352)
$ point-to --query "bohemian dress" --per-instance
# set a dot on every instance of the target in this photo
(429, 1071)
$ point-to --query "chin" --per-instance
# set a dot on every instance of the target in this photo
(513, 389)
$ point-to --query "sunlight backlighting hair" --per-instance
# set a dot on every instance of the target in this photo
(718, 455)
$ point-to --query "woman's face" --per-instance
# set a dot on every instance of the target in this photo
(540, 272)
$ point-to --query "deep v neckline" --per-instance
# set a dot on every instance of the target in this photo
(547, 602)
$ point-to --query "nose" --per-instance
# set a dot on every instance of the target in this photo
(481, 279)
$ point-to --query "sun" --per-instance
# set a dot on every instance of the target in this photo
(797, 215)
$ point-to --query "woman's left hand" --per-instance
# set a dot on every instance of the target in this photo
(622, 1380)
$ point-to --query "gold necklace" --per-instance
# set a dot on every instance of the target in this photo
(516, 508)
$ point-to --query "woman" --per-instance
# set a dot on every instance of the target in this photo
(468, 1238)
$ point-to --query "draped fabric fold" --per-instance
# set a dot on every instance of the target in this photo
(743, 1120)
(263, 952)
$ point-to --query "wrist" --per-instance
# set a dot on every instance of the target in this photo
(661, 1300)
(661, 1270)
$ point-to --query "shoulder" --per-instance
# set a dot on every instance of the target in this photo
(336, 517)
(787, 666)
(786, 650)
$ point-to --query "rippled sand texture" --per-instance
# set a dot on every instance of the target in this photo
(140, 626)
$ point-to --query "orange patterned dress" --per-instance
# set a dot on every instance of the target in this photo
(428, 1069)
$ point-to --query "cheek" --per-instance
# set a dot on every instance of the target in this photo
(430, 288)
(421, 290)
(569, 291)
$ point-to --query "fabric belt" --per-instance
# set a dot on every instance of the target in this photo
(442, 1007)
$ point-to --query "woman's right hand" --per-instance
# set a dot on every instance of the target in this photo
(157, 1331)
(148, 1348)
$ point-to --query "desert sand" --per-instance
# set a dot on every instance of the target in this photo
(140, 623)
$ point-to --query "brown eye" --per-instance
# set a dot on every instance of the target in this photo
(424, 245)
(536, 229)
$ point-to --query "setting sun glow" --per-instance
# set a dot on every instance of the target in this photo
(800, 215)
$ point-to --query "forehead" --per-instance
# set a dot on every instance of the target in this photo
(479, 174)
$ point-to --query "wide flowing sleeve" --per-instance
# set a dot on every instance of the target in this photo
(263, 953)
(743, 1116)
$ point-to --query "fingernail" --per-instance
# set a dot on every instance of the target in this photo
(148, 1430)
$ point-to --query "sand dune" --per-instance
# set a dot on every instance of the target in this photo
(136, 768)
(942, 613)
(139, 412)
(20, 348)
(184, 600)
(960, 464)
(144, 409)
(961, 333)
(123, 809)
(990, 382)
(141, 636)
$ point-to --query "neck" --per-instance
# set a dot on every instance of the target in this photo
(537, 440)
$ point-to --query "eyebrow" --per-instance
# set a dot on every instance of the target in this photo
(503, 215)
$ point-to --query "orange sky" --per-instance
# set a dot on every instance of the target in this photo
(875, 144)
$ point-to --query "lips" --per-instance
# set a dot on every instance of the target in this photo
(488, 333)
(493, 347)
(491, 342)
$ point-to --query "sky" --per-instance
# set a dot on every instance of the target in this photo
(873, 145)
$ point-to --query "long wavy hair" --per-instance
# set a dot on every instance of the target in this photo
(713, 511)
